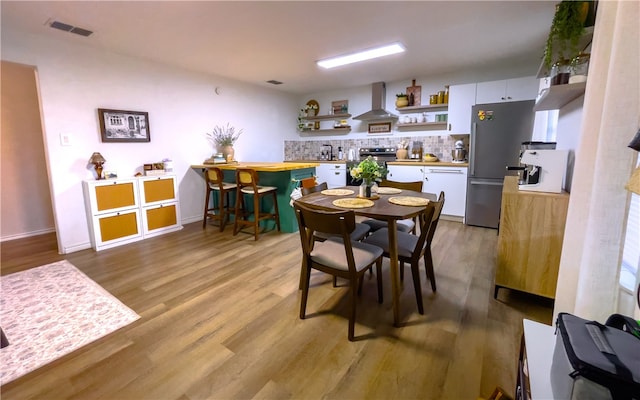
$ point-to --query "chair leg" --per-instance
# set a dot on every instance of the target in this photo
(239, 212)
(221, 212)
(206, 208)
(379, 276)
(256, 216)
(305, 291)
(416, 286)
(335, 281)
(428, 266)
(352, 315)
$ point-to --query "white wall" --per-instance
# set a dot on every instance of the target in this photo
(568, 134)
(76, 80)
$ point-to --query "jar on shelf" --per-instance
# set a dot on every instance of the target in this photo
(433, 99)
(560, 72)
(579, 68)
(446, 94)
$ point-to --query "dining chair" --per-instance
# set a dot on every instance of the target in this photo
(214, 184)
(405, 225)
(359, 233)
(247, 184)
(337, 256)
(411, 248)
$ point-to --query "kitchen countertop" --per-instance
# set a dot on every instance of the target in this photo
(262, 166)
(405, 162)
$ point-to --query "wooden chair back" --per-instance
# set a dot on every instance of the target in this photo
(247, 177)
(415, 186)
(317, 188)
(214, 176)
(436, 217)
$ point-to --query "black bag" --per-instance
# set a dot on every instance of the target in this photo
(595, 361)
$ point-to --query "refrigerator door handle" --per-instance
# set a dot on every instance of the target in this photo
(472, 149)
(485, 183)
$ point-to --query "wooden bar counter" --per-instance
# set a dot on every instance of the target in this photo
(284, 176)
(530, 239)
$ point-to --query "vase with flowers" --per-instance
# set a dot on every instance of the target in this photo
(223, 138)
(370, 172)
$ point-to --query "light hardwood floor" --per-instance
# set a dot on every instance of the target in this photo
(220, 321)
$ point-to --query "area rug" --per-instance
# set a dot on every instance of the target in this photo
(52, 310)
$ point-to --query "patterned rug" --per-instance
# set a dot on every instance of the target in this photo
(52, 310)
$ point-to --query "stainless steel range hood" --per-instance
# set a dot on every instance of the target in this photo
(377, 113)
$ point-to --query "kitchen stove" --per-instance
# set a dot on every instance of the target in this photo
(381, 155)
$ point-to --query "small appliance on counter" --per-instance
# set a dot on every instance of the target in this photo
(524, 175)
(459, 154)
(544, 170)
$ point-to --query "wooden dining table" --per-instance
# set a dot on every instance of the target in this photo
(384, 210)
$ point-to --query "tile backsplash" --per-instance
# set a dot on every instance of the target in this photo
(441, 146)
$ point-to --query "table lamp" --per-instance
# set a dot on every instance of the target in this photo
(97, 160)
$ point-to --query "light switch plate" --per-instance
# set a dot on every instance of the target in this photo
(65, 139)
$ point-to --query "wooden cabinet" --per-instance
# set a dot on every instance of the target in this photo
(453, 182)
(461, 99)
(113, 212)
(516, 89)
(122, 211)
(159, 205)
(334, 174)
(530, 239)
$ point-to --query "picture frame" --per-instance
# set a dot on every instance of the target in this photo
(124, 126)
(380, 127)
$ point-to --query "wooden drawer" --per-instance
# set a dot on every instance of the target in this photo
(117, 228)
(158, 189)
(161, 219)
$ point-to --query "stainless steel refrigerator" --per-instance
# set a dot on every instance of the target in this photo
(497, 131)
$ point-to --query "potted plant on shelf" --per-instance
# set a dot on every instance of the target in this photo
(223, 137)
(402, 100)
(567, 27)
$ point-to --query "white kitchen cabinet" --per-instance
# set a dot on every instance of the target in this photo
(334, 174)
(159, 205)
(461, 99)
(453, 182)
(113, 212)
(405, 173)
(515, 89)
(450, 180)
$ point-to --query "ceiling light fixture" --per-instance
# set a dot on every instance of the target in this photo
(361, 56)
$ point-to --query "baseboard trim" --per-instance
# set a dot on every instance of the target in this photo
(26, 234)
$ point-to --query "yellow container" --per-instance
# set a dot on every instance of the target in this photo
(441, 97)
(433, 99)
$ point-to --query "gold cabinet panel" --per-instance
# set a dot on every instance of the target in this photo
(161, 217)
(118, 226)
(118, 195)
(158, 190)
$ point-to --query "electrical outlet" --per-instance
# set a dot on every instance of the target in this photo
(65, 139)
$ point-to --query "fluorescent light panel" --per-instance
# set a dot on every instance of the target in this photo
(361, 56)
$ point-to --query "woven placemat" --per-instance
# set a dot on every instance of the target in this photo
(337, 192)
(388, 190)
(409, 201)
(353, 203)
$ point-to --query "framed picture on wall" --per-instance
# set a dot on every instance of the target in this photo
(380, 127)
(124, 126)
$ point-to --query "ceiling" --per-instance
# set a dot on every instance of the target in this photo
(256, 41)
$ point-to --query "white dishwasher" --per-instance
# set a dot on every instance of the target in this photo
(453, 182)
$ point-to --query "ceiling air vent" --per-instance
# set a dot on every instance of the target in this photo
(274, 82)
(70, 28)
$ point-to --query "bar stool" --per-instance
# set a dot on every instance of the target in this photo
(247, 183)
(213, 177)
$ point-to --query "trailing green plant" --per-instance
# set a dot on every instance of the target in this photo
(566, 29)
(401, 95)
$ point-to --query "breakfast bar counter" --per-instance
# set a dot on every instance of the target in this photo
(284, 176)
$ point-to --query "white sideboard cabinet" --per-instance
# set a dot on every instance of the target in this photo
(122, 211)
